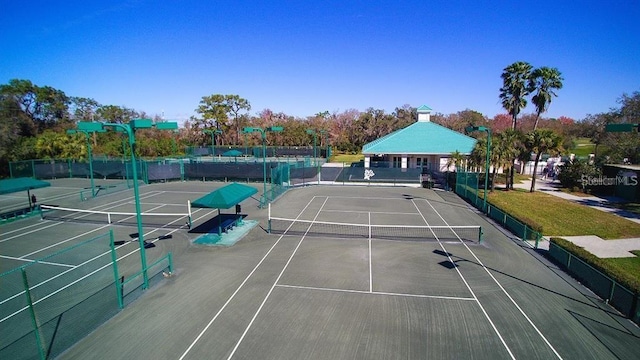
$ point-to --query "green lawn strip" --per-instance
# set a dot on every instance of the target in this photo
(624, 271)
(554, 216)
(583, 148)
(346, 158)
(630, 265)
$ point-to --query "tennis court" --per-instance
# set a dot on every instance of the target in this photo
(316, 289)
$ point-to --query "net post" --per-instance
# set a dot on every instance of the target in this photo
(269, 219)
(109, 218)
(189, 213)
(170, 261)
(480, 235)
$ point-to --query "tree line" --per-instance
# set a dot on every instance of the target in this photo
(34, 120)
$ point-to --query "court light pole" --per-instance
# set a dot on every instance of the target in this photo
(213, 133)
(87, 134)
(486, 165)
(324, 134)
(315, 138)
(263, 133)
(130, 129)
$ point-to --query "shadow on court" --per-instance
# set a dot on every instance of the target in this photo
(212, 225)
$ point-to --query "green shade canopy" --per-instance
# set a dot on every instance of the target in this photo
(8, 186)
(232, 153)
(225, 197)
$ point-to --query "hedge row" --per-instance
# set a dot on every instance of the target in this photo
(618, 275)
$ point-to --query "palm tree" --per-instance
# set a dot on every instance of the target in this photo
(514, 89)
(539, 142)
(513, 93)
(544, 81)
(455, 160)
(510, 146)
(499, 155)
(478, 156)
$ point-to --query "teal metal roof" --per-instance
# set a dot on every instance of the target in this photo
(424, 108)
(421, 138)
(225, 197)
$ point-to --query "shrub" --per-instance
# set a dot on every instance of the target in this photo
(572, 173)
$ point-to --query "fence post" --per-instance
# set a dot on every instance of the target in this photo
(116, 277)
(634, 314)
(34, 321)
(613, 287)
(170, 260)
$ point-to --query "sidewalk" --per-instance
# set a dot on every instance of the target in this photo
(594, 244)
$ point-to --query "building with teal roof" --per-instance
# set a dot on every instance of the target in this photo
(423, 144)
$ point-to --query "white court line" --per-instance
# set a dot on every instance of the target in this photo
(467, 284)
(502, 288)
(111, 205)
(370, 259)
(39, 262)
(275, 283)
(40, 227)
(82, 278)
(367, 198)
(376, 293)
(238, 288)
(371, 212)
(165, 204)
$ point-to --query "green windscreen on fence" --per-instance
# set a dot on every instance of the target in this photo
(468, 187)
(52, 302)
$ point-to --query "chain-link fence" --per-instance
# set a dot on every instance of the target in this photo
(467, 186)
(50, 303)
(623, 299)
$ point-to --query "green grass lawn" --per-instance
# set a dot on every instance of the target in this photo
(584, 147)
(630, 265)
(560, 217)
(346, 158)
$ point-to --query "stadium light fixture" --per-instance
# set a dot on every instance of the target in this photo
(213, 133)
(130, 129)
(88, 128)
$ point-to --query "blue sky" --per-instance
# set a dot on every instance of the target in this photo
(304, 57)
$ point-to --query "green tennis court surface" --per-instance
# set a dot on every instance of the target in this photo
(346, 294)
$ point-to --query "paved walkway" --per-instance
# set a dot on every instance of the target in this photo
(593, 244)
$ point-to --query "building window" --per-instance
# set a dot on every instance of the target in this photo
(397, 161)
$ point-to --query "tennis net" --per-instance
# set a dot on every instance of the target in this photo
(169, 220)
(471, 233)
